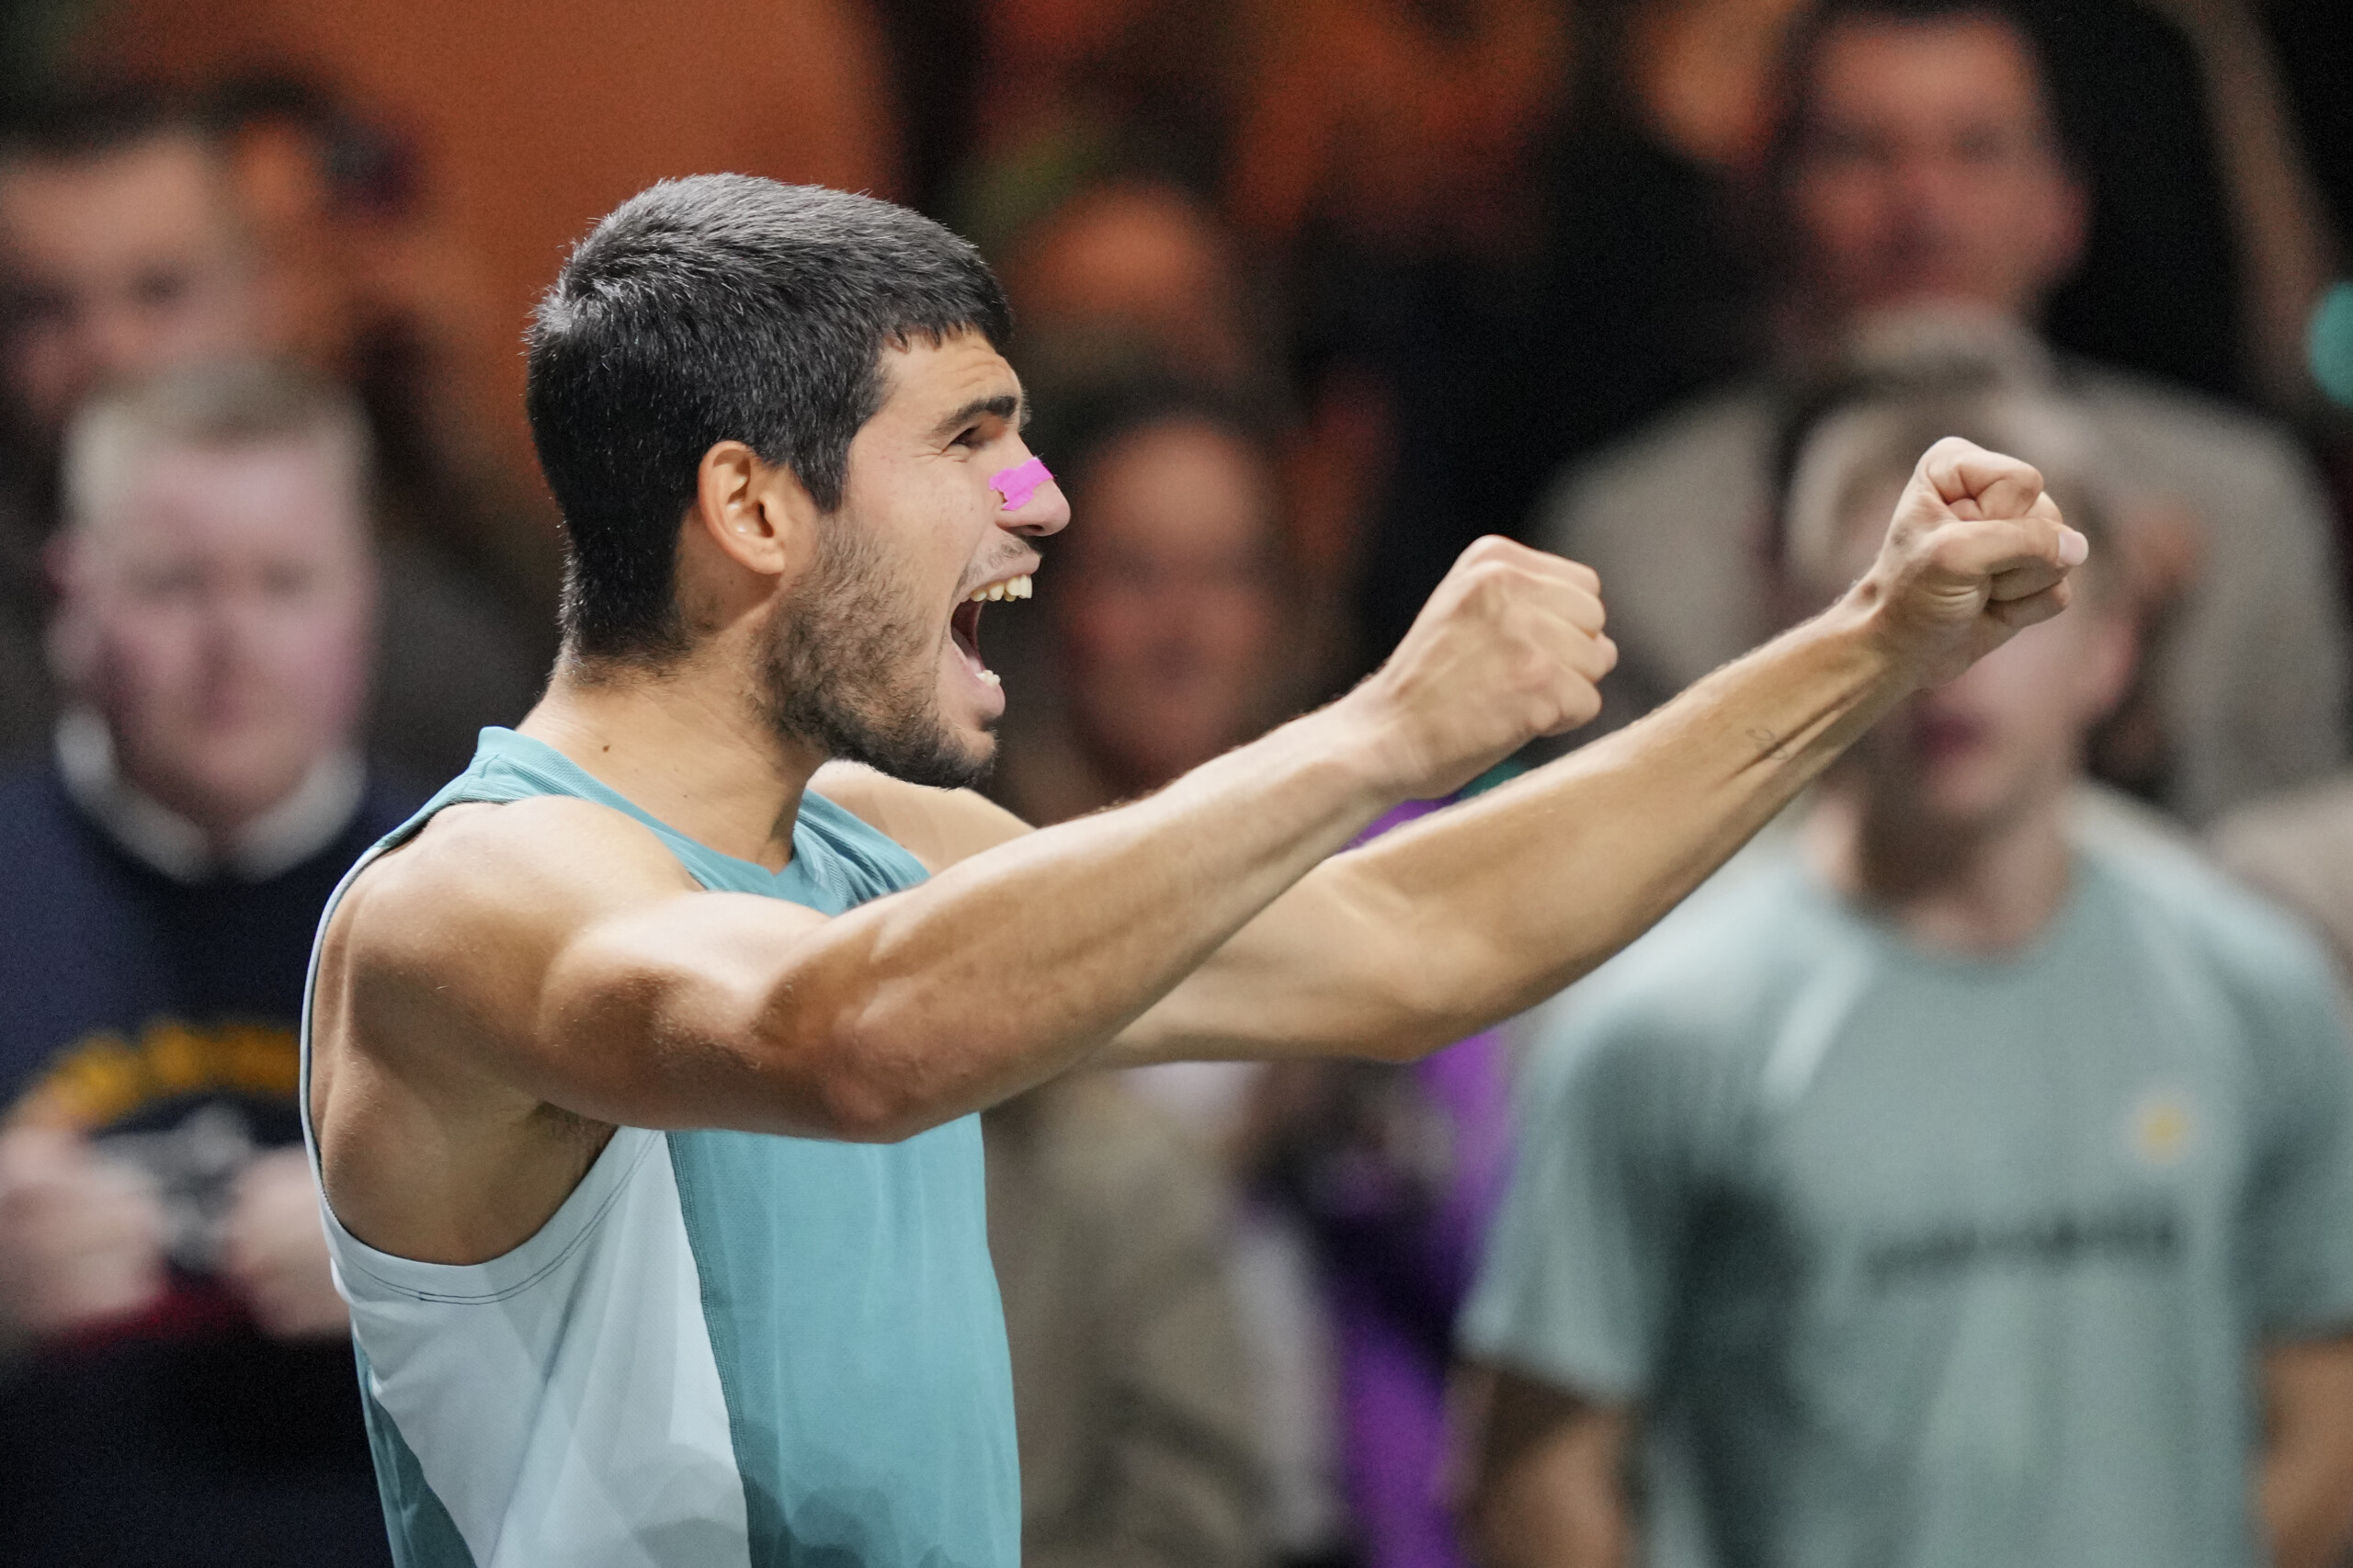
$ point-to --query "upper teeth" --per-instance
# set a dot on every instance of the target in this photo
(1011, 588)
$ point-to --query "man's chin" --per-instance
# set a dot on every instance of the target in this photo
(1964, 810)
(952, 758)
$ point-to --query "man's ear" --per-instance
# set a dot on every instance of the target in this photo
(752, 512)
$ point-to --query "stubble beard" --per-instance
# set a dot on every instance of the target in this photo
(849, 670)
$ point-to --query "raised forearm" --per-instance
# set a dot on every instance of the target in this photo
(1445, 926)
(1006, 969)
(1016, 963)
(1531, 887)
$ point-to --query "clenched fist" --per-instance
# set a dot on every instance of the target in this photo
(1976, 552)
(1509, 647)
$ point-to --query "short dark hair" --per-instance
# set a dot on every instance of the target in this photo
(722, 307)
(1800, 59)
(74, 123)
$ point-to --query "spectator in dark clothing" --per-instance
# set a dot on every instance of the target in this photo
(180, 1387)
(123, 253)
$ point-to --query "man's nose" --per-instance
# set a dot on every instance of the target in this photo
(1045, 512)
(236, 627)
(122, 342)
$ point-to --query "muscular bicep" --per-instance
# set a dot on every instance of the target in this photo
(562, 956)
(690, 1011)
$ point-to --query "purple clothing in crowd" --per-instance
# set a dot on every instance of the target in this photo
(1399, 1206)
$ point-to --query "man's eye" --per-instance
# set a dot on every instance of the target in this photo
(971, 437)
(287, 582)
(35, 309)
(1983, 147)
(167, 584)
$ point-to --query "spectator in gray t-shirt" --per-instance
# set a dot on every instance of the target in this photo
(1960, 1179)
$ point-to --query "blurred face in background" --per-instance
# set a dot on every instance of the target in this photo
(113, 267)
(1140, 261)
(1168, 600)
(1928, 171)
(218, 610)
(1961, 761)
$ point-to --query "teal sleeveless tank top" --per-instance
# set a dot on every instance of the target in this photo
(724, 1347)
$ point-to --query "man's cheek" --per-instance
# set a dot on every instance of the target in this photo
(155, 661)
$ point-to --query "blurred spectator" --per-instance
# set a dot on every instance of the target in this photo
(1967, 1178)
(1388, 159)
(2205, 224)
(1173, 628)
(1399, 129)
(123, 252)
(1920, 179)
(1138, 1442)
(1175, 634)
(1058, 94)
(2313, 39)
(1139, 271)
(182, 1389)
(1136, 279)
(358, 287)
(133, 264)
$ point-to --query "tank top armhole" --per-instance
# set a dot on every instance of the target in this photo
(546, 1250)
(573, 1219)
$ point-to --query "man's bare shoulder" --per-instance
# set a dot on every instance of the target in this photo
(428, 1027)
(502, 865)
(460, 919)
(939, 827)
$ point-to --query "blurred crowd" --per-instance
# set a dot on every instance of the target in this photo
(1966, 1175)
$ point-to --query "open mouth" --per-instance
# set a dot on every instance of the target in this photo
(964, 624)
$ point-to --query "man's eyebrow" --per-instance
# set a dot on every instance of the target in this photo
(1004, 405)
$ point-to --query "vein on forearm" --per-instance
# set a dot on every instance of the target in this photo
(1520, 891)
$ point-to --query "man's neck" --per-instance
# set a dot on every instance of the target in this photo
(1984, 893)
(1817, 337)
(688, 744)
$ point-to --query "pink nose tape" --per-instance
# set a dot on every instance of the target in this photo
(1018, 484)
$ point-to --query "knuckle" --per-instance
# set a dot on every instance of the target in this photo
(1488, 579)
(1485, 548)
